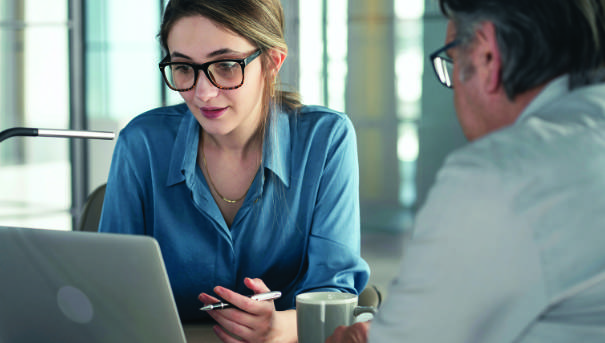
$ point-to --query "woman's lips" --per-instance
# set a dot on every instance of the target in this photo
(213, 112)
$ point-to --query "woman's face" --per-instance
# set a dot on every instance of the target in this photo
(198, 39)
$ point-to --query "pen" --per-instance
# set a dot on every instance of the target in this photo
(258, 297)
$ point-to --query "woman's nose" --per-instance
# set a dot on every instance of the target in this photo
(204, 89)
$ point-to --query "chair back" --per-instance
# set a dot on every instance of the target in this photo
(91, 214)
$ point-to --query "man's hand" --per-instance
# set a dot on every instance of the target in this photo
(356, 333)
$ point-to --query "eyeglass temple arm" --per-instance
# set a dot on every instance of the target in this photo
(33, 132)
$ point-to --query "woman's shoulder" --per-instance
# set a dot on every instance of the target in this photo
(158, 118)
(316, 115)
(321, 111)
(320, 127)
(159, 123)
(155, 128)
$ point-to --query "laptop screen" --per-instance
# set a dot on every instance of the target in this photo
(69, 286)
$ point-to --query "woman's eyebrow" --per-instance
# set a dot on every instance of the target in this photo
(223, 52)
(215, 53)
(178, 54)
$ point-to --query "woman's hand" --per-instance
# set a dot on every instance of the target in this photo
(251, 320)
(356, 333)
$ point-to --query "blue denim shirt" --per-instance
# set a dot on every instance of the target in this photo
(297, 229)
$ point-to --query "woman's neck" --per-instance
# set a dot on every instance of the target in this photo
(233, 144)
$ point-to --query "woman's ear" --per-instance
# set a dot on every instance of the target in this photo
(277, 58)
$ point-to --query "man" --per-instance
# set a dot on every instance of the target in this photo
(510, 245)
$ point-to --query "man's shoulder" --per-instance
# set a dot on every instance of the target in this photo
(547, 139)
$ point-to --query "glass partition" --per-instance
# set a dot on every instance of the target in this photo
(122, 76)
(363, 57)
(34, 92)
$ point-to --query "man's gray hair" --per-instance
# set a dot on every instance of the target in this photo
(538, 39)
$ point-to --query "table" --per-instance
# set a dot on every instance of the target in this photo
(200, 333)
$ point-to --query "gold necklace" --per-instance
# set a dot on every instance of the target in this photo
(214, 187)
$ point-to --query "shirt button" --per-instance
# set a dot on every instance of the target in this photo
(256, 200)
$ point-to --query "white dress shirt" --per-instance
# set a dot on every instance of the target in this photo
(510, 245)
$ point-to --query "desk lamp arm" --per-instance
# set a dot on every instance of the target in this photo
(32, 132)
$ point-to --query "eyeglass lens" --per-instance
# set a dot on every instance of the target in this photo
(443, 69)
(223, 74)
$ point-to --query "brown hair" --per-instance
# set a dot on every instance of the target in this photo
(259, 21)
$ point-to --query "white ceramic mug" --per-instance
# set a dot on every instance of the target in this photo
(318, 314)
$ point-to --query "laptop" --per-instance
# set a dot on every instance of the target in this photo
(72, 286)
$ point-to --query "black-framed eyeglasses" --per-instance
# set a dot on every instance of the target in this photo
(223, 74)
(443, 65)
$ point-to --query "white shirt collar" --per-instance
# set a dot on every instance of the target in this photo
(555, 89)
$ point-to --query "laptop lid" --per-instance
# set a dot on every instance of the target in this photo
(69, 286)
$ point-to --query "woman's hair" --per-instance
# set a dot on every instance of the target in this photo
(538, 39)
(259, 21)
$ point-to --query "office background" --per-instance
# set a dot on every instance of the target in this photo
(92, 64)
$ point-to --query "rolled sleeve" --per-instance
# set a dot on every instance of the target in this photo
(334, 261)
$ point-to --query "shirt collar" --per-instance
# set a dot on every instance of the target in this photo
(183, 159)
(276, 149)
(555, 89)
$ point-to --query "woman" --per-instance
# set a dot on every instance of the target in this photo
(245, 189)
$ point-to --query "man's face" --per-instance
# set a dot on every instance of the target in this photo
(470, 106)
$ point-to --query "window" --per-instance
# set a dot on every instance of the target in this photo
(365, 58)
(34, 92)
(122, 75)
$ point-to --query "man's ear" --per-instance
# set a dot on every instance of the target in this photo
(488, 56)
(277, 57)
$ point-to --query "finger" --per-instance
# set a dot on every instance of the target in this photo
(223, 315)
(248, 320)
(256, 285)
(244, 303)
(336, 335)
(207, 299)
(219, 315)
(230, 296)
(363, 328)
(244, 313)
(357, 332)
(233, 328)
(224, 336)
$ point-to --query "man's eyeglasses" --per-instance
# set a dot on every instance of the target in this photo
(224, 74)
(443, 65)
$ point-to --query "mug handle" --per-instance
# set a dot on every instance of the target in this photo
(364, 309)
